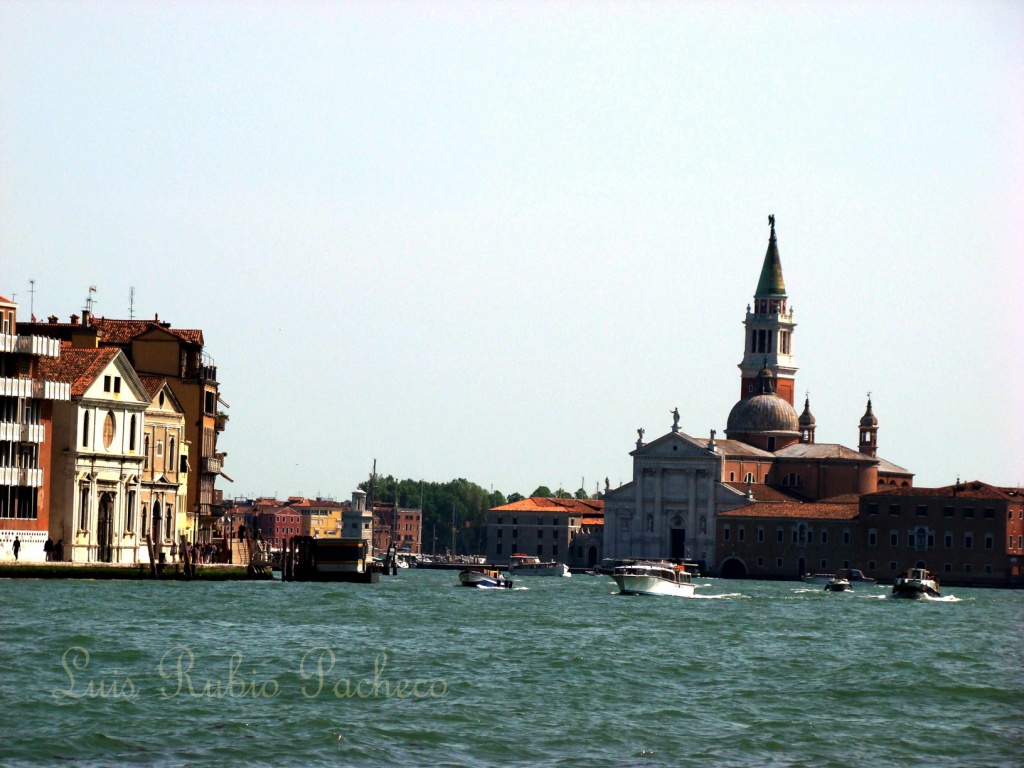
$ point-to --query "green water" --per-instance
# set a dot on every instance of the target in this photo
(562, 673)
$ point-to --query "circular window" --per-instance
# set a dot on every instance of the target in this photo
(108, 429)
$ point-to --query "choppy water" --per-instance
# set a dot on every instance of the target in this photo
(563, 673)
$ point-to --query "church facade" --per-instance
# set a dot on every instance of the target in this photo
(681, 483)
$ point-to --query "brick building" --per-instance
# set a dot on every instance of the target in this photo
(541, 527)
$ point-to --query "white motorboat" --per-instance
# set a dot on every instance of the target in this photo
(653, 579)
(817, 578)
(855, 576)
(837, 585)
(916, 583)
(484, 578)
(526, 565)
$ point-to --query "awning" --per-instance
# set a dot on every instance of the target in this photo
(221, 473)
(222, 401)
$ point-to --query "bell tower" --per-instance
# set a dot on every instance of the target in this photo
(768, 329)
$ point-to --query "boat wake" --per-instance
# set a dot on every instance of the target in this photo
(727, 596)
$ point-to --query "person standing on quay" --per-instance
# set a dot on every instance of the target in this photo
(16, 547)
(48, 549)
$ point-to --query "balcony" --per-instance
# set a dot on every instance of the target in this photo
(26, 477)
(212, 464)
(14, 432)
(39, 346)
(11, 387)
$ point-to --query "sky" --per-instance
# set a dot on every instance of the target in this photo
(491, 240)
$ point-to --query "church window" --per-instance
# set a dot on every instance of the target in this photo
(131, 435)
(108, 429)
(85, 430)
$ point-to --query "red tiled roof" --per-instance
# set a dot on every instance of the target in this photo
(152, 383)
(5, 300)
(810, 511)
(762, 492)
(592, 521)
(540, 504)
(972, 490)
(77, 367)
(123, 331)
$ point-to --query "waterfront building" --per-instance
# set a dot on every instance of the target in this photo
(165, 469)
(277, 524)
(97, 455)
(538, 526)
(682, 484)
(27, 398)
(586, 545)
(357, 520)
(396, 525)
(320, 517)
(966, 533)
(154, 348)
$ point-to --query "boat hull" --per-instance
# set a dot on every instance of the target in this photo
(650, 585)
(915, 591)
(837, 585)
(483, 580)
(554, 569)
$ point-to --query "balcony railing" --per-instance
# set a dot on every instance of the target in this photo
(51, 390)
(13, 432)
(11, 387)
(39, 346)
(212, 464)
(30, 478)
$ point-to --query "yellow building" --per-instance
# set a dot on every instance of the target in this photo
(320, 517)
(164, 488)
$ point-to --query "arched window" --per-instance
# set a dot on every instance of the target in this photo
(169, 523)
(131, 435)
(83, 507)
(144, 527)
(793, 479)
(749, 478)
(85, 430)
(129, 512)
(108, 429)
(172, 456)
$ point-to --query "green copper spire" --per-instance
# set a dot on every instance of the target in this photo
(771, 284)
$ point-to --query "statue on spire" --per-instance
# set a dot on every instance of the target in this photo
(771, 221)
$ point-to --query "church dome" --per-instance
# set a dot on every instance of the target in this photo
(766, 413)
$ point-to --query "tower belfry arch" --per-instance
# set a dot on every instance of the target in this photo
(768, 328)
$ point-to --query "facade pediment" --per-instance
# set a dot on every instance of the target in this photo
(123, 385)
(673, 445)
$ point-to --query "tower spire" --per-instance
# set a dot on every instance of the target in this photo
(769, 328)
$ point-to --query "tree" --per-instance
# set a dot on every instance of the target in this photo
(542, 492)
(582, 495)
(514, 497)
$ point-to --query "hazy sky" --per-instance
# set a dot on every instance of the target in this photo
(491, 240)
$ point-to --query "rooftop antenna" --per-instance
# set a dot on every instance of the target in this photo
(90, 301)
(32, 301)
(131, 303)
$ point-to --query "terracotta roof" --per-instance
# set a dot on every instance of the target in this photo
(734, 447)
(123, 331)
(811, 511)
(151, 383)
(314, 504)
(843, 498)
(540, 504)
(592, 521)
(77, 367)
(762, 492)
(972, 490)
(5, 300)
(888, 466)
(823, 451)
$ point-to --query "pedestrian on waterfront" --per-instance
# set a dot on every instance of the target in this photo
(48, 549)
(174, 551)
(16, 547)
(58, 551)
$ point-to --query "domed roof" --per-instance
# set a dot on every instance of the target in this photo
(868, 419)
(766, 413)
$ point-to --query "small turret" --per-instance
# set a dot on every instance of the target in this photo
(807, 423)
(869, 432)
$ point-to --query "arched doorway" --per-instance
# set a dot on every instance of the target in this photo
(733, 568)
(105, 529)
(801, 567)
(157, 522)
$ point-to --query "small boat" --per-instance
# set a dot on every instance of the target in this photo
(653, 579)
(526, 565)
(817, 578)
(854, 576)
(916, 583)
(484, 578)
(837, 585)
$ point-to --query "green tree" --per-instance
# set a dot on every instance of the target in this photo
(582, 495)
(542, 492)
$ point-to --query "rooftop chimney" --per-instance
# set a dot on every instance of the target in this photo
(74, 319)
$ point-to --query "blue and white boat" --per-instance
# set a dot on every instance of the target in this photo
(483, 577)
